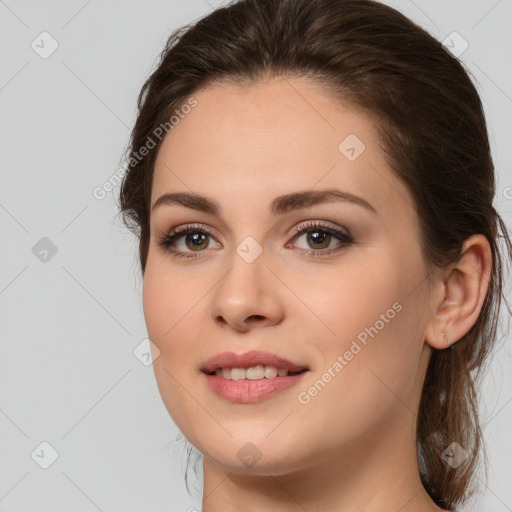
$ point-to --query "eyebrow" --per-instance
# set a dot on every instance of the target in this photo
(280, 205)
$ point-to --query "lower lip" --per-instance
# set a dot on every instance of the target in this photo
(249, 391)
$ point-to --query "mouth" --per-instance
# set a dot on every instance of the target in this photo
(251, 377)
(251, 365)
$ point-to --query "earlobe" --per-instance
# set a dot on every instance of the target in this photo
(448, 341)
(463, 292)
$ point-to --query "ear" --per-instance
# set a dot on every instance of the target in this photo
(460, 293)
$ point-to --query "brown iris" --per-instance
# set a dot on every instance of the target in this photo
(196, 241)
(319, 237)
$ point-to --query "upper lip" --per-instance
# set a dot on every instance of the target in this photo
(249, 359)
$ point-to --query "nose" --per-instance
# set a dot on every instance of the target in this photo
(249, 296)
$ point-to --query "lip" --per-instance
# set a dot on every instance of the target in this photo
(250, 391)
(248, 359)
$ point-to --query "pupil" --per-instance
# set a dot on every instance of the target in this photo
(319, 237)
(197, 240)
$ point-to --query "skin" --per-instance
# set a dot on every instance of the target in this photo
(352, 447)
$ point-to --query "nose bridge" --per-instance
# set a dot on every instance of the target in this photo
(244, 280)
(246, 291)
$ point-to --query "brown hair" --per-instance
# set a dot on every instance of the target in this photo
(431, 126)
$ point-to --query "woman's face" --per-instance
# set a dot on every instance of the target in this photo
(346, 299)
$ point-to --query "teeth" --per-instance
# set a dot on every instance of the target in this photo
(270, 372)
(253, 373)
(237, 373)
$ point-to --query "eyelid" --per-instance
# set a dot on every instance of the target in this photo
(319, 224)
(185, 227)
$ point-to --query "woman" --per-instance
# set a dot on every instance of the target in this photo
(312, 188)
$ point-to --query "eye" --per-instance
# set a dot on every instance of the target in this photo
(320, 236)
(195, 238)
(189, 241)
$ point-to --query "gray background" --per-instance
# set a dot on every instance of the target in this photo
(70, 322)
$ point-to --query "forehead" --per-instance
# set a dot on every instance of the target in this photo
(270, 138)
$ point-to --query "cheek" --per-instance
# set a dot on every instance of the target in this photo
(168, 299)
(373, 342)
(343, 303)
(171, 309)
(168, 311)
(365, 379)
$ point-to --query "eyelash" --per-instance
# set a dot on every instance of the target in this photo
(167, 239)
